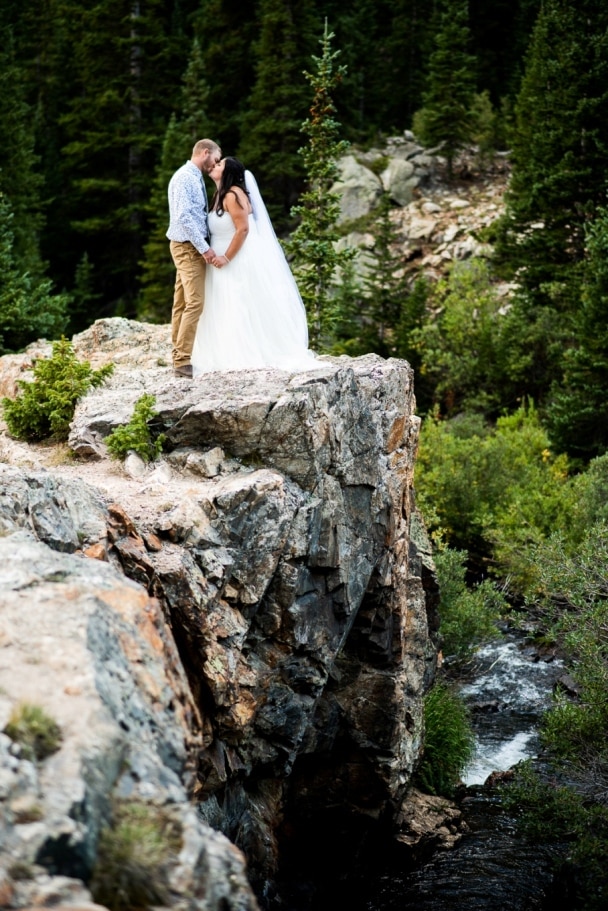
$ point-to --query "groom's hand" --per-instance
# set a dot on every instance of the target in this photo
(209, 255)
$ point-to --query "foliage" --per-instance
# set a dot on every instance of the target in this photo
(20, 178)
(38, 734)
(493, 491)
(573, 578)
(83, 295)
(465, 347)
(448, 741)
(136, 436)
(28, 309)
(553, 811)
(372, 306)
(559, 150)
(88, 93)
(134, 856)
(445, 117)
(278, 102)
(577, 411)
(45, 406)
(468, 614)
(485, 130)
(120, 64)
(312, 244)
(226, 32)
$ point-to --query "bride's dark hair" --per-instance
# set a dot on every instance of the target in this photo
(233, 175)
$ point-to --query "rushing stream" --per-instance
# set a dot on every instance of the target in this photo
(491, 868)
(510, 692)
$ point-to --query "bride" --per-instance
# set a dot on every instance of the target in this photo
(253, 314)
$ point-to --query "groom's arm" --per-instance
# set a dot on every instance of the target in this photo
(187, 221)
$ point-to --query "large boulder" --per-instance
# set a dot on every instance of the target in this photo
(286, 567)
(400, 180)
(359, 189)
(93, 651)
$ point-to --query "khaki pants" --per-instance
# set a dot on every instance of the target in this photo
(188, 299)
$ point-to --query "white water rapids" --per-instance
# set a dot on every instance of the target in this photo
(507, 699)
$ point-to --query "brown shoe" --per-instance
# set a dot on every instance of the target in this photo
(184, 370)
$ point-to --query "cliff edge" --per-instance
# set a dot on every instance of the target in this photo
(241, 631)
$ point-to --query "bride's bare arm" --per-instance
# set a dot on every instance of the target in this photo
(238, 206)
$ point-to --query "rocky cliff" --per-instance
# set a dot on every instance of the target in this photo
(239, 632)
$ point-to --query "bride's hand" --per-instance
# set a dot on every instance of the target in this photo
(220, 261)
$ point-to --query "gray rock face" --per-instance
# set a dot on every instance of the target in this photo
(94, 651)
(359, 189)
(399, 180)
(295, 584)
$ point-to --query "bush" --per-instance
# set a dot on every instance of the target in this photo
(468, 615)
(448, 741)
(493, 491)
(550, 811)
(133, 858)
(46, 405)
(136, 435)
(462, 348)
(37, 733)
(574, 580)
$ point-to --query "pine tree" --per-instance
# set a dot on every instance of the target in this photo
(446, 113)
(560, 161)
(28, 308)
(577, 412)
(270, 135)
(124, 80)
(312, 244)
(158, 271)
(560, 149)
(20, 176)
(226, 32)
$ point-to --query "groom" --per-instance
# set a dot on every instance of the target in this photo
(190, 250)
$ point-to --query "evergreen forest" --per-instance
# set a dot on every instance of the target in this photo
(101, 102)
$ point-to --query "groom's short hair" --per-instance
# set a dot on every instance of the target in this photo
(205, 144)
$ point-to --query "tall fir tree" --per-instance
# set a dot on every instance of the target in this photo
(313, 243)
(21, 179)
(28, 308)
(559, 150)
(445, 116)
(278, 102)
(560, 160)
(226, 32)
(124, 79)
(184, 129)
(577, 410)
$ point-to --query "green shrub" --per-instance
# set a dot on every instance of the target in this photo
(462, 346)
(37, 733)
(136, 435)
(493, 491)
(46, 405)
(448, 741)
(574, 581)
(133, 858)
(468, 615)
(552, 811)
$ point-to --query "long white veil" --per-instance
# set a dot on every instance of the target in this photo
(275, 262)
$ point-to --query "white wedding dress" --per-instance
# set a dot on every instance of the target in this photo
(253, 315)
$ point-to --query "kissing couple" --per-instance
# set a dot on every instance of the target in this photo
(236, 305)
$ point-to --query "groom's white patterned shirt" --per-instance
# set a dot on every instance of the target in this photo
(188, 207)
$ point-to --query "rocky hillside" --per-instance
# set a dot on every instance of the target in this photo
(244, 627)
(437, 221)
